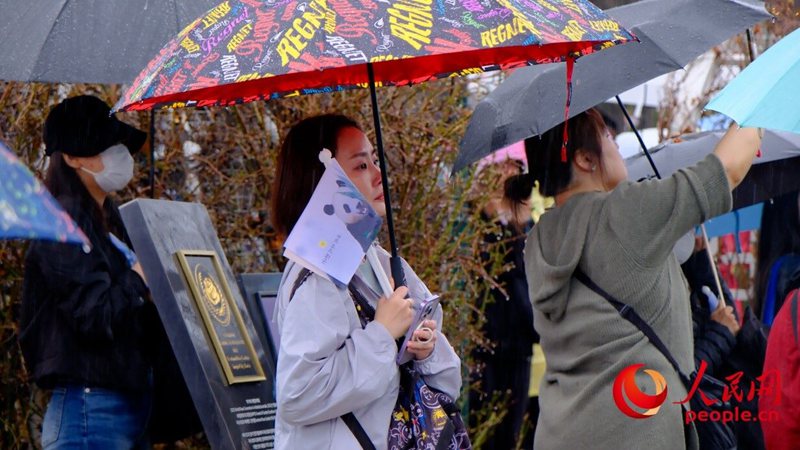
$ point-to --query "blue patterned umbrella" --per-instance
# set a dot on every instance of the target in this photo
(27, 210)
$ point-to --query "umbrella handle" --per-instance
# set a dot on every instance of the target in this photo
(398, 274)
(713, 266)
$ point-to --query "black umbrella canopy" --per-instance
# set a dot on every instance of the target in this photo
(88, 41)
(672, 34)
(774, 173)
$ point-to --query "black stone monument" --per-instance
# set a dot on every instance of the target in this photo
(222, 359)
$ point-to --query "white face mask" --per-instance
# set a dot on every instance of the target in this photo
(684, 248)
(117, 169)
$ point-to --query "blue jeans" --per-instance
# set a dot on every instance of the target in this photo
(87, 418)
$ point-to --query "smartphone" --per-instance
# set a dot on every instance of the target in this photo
(426, 311)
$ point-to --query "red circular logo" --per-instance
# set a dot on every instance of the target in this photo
(626, 391)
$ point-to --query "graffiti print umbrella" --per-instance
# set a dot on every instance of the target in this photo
(27, 210)
(245, 50)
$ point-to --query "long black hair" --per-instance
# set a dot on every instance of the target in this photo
(64, 183)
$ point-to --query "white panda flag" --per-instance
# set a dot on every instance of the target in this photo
(336, 228)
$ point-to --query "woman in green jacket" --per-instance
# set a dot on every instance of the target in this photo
(621, 235)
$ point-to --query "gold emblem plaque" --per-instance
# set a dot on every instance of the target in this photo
(223, 322)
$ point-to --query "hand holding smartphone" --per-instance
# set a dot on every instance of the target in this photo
(425, 312)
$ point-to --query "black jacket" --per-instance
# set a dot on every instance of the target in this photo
(509, 315)
(84, 317)
(713, 342)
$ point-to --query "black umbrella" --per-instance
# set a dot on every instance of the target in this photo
(105, 41)
(774, 173)
(672, 34)
(100, 41)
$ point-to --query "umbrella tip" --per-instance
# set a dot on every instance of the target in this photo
(325, 156)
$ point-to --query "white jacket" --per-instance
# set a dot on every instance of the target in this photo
(329, 366)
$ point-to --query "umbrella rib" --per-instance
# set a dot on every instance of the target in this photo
(765, 99)
(44, 42)
(662, 50)
(177, 17)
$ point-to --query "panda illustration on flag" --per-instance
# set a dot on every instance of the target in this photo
(353, 210)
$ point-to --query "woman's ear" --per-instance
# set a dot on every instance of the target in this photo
(71, 161)
(584, 161)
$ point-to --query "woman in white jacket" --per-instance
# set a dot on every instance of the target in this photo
(328, 365)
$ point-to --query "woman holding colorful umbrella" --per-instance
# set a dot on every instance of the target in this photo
(609, 241)
(338, 382)
(85, 319)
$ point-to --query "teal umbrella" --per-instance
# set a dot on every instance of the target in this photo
(27, 210)
(766, 93)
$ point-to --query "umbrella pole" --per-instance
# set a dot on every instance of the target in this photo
(720, 296)
(750, 50)
(395, 261)
(152, 175)
(638, 136)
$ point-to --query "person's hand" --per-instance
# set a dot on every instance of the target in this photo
(395, 313)
(138, 269)
(724, 316)
(423, 340)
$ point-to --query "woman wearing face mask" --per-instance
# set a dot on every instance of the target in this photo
(328, 364)
(621, 235)
(85, 314)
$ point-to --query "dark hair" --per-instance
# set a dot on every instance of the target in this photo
(299, 169)
(544, 156)
(779, 235)
(611, 123)
(517, 189)
(63, 182)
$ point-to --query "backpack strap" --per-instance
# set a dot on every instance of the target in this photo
(355, 427)
(629, 314)
(359, 290)
(301, 278)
